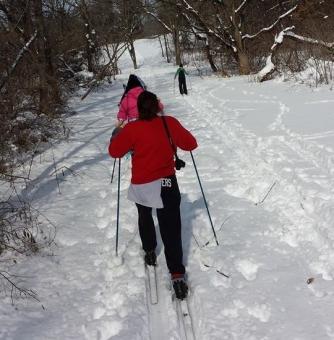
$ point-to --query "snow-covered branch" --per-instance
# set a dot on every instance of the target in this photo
(117, 53)
(287, 32)
(329, 45)
(195, 29)
(241, 6)
(269, 28)
(270, 66)
(17, 59)
(208, 30)
(159, 20)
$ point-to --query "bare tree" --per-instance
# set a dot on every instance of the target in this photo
(132, 25)
(270, 67)
(167, 14)
(235, 25)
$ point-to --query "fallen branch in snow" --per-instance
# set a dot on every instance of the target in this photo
(208, 242)
(270, 67)
(217, 270)
(62, 170)
(266, 195)
(198, 245)
(15, 289)
(55, 171)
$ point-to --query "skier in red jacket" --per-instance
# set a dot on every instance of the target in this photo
(153, 182)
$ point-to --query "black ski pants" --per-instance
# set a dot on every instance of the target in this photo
(169, 219)
(183, 85)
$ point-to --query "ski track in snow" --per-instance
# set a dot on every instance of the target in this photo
(302, 171)
(269, 184)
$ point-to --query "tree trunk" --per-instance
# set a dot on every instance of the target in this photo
(241, 55)
(177, 46)
(162, 49)
(48, 87)
(243, 61)
(132, 52)
(210, 58)
(166, 48)
(89, 48)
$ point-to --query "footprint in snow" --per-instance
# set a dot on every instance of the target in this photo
(247, 268)
(100, 211)
(260, 311)
(102, 329)
(103, 194)
(99, 312)
(103, 223)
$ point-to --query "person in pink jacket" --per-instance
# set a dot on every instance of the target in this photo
(128, 107)
(128, 110)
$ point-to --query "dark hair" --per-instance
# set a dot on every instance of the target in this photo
(181, 65)
(148, 105)
(133, 82)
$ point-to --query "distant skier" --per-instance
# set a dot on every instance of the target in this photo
(181, 72)
(153, 182)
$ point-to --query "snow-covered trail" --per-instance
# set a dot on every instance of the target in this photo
(265, 159)
(300, 205)
(300, 171)
(281, 169)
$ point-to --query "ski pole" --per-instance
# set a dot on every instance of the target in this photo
(113, 170)
(206, 204)
(118, 199)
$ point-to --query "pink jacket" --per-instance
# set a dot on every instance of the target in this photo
(128, 107)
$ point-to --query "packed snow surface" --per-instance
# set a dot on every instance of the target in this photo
(266, 163)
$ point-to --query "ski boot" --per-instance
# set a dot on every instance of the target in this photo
(180, 286)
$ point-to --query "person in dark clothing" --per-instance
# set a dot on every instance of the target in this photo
(153, 182)
(181, 72)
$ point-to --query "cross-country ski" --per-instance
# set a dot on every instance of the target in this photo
(185, 319)
(152, 284)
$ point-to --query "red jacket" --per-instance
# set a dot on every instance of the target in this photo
(153, 156)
